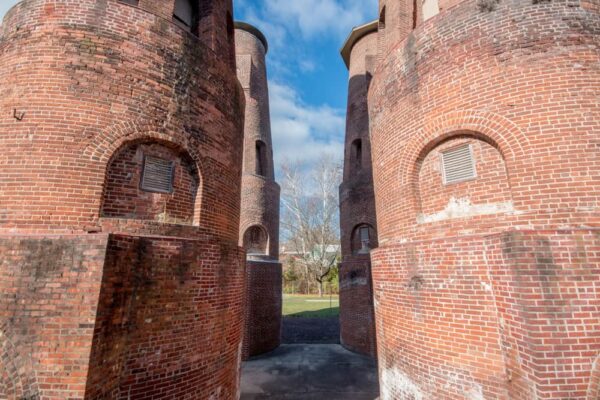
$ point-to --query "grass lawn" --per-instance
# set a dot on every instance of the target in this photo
(310, 306)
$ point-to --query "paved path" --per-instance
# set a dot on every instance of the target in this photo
(310, 372)
(297, 330)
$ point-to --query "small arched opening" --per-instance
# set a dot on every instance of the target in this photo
(186, 15)
(261, 159)
(364, 239)
(256, 240)
(356, 154)
(231, 37)
(154, 181)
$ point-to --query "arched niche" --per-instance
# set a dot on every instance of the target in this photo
(186, 14)
(356, 155)
(262, 160)
(461, 175)
(363, 239)
(256, 240)
(152, 180)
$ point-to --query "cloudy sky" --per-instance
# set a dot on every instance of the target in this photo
(306, 74)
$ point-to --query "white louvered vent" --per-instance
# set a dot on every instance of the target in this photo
(157, 175)
(458, 164)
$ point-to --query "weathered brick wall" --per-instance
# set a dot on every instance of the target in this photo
(169, 321)
(49, 288)
(263, 307)
(116, 82)
(260, 199)
(100, 86)
(357, 317)
(260, 194)
(485, 288)
(357, 204)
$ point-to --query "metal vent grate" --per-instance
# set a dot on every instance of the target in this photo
(158, 175)
(458, 164)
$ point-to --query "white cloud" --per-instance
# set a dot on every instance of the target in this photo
(314, 17)
(303, 132)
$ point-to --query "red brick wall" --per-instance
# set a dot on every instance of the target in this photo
(260, 200)
(357, 206)
(169, 321)
(116, 77)
(260, 194)
(357, 317)
(263, 307)
(496, 300)
(107, 84)
(124, 197)
(49, 289)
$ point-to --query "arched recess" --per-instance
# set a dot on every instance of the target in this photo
(186, 14)
(256, 240)
(510, 140)
(363, 239)
(461, 174)
(17, 376)
(593, 392)
(262, 160)
(149, 179)
(108, 142)
(356, 154)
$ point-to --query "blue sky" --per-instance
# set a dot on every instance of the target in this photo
(307, 77)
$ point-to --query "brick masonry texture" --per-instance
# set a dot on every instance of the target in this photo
(260, 199)
(109, 291)
(263, 307)
(357, 206)
(488, 288)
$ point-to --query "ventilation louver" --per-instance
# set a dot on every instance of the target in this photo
(458, 164)
(157, 175)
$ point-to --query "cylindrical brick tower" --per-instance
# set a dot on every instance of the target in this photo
(121, 136)
(357, 198)
(485, 128)
(259, 228)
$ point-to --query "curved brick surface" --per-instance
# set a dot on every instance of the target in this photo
(486, 289)
(110, 290)
(260, 199)
(262, 325)
(357, 205)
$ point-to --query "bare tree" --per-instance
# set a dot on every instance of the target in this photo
(310, 216)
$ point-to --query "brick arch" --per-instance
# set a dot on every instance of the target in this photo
(355, 239)
(17, 376)
(120, 135)
(262, 230)
(492, 128)
(593, 392)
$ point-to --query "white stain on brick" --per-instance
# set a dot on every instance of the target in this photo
(395, 382)
(462, 208)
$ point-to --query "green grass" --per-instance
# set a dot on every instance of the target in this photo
(310, 306)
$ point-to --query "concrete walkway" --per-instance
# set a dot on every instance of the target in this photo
(310, 372)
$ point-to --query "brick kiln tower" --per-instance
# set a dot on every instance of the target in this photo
(259, 228)
(357, 198)
(485, 131)
(121, 137)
